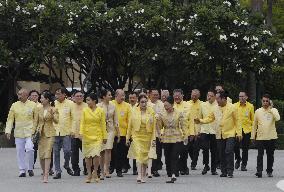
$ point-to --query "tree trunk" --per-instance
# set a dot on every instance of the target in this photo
(256, 5)
(269, 12)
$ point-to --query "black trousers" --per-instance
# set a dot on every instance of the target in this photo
(193, 150)
(244, 144)
(119, 155)
(157, 163)
(269, 146)
(226, 152)
(35, 151)
(172, 152)
(76, 146)
(208, 142)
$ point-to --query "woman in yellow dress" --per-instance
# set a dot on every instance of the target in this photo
(47, 115)
(94, 135)
(112, 130)
(174, 133)
(142, 128)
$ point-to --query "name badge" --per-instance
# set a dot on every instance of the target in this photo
(246, 113)
(29, 111)
(268, 117)
(122, 113)
(65, 110)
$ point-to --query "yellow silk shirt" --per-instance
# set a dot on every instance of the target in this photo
(206, 109)
(245, 115)
(24, 116)
(65, 110)
(123, 112)
(77, 111)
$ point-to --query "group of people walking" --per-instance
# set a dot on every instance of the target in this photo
(110, 132)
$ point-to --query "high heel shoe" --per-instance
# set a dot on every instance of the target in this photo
(45, 179)
(95, 177)
(89, 179)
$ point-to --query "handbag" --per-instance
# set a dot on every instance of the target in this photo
(35, 137)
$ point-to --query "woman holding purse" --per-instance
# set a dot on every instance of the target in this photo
(47, 116)
(142, 128)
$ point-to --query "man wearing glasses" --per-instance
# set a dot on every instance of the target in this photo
(76, 143)
(264, 134)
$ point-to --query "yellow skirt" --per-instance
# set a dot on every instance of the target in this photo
(92, 149)
(142, 148)
(45, 147)
(110, 140)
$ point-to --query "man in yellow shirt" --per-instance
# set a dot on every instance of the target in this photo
(245, 115)
(228, 128)
(63, 131)
(76, 143)
(182, 106)
(120, 148)
(23, 114)
(264, 134)
(195, 110)
(208, 134)
(158, 107)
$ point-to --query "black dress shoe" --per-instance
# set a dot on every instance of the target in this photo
(237, 164)
(22, 175)
(172, 180)
(214, 173)
(124, 170)
(69, 171)
(258, 174)
(51, 172)
(223, 175)
(269, 175)
(156, 174)
(218, 166)
(57, 176)
(230, 175)
(76, 172)
(31, 173)
(243, 168)
(205, 169)
(182, 172)
(119, 174)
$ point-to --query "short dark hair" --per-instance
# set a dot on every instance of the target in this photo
(77, 91)
(63, 90)
(154, 89)
(223, 94)
(34, 91)
(212, 91)
(141, 97)
(170, 100)
(178, 91)
(93, 96)
(133, 93)
(104, 93)
(266, 95)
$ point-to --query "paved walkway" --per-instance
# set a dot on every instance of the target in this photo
(195, 182)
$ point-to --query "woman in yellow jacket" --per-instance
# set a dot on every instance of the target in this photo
(47, 116)
(174, 133)
(94, 135)
(142, 128)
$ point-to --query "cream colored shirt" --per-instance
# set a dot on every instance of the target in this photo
(264, 124)
(77, 111)
(65, 110)
(206, 109)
